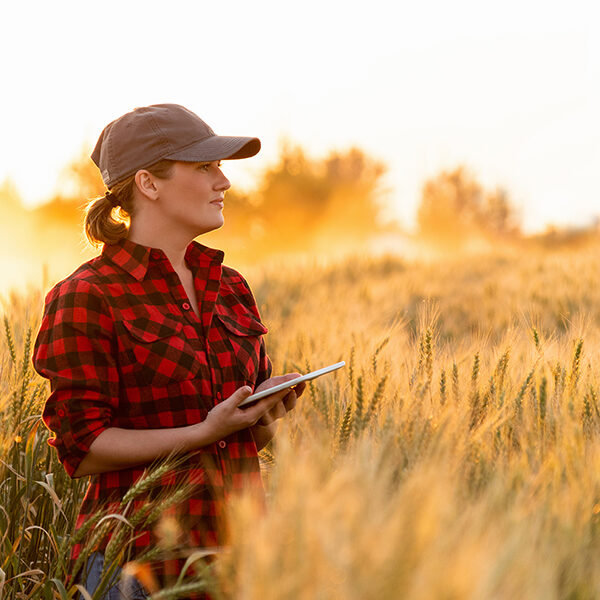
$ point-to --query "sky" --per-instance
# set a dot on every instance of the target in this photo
(509, 89)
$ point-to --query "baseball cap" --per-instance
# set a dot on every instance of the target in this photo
(148, 134)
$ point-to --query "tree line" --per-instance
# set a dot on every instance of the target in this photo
(302, 203)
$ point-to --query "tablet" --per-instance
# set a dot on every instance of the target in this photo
(291, 383)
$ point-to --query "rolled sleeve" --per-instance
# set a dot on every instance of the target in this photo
(75, 350)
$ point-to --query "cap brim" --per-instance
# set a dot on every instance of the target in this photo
(218, 147)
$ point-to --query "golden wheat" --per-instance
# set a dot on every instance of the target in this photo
(457, 455)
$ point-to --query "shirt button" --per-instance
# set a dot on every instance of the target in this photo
(61, 412)
(218, 395)
(155, 254)
(186, 306)
(222, 444)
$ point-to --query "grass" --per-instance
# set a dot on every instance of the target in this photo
(456, 456)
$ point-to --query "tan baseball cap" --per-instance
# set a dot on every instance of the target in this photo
(148, 134)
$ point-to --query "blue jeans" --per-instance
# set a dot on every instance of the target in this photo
(127, 588)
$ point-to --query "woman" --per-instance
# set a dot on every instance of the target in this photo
(151, 346)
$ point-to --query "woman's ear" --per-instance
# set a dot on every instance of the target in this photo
(146, 185)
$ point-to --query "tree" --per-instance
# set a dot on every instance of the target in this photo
(301, 200)
(10, 199)
(81, 178)
(62, 215)
(499, 215)
(455, 206)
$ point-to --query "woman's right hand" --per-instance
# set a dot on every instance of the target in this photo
(227, 418)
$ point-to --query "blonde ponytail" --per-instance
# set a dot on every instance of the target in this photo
(107, 218)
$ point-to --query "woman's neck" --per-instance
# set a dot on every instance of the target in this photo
(173, 246)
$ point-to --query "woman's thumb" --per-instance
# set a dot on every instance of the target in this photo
(242, 393)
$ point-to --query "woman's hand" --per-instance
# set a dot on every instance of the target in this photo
(287, 403)
(265, 427)
(227, 418)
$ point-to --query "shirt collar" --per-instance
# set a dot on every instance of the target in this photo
(135, 258)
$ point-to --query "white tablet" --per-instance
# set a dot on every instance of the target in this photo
(291, 383)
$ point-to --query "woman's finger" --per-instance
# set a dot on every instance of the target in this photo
(289, 402)
(239, 395)
(299, 389)
(264, 406)
(278, 411)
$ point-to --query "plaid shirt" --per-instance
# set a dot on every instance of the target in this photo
(122, 347)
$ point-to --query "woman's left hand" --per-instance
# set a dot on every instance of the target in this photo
(280, 409)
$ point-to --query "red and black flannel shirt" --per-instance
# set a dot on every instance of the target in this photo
(122, 347)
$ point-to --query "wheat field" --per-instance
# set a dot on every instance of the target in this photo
(456, 456)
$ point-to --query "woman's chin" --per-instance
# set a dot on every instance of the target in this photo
(207, 228)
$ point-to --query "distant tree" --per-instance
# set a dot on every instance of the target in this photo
(81, 178)
(59, 210)
(10, 199)
(454, 205)
(79, 182)
(300, 198)
(355, 195)
(498, 215)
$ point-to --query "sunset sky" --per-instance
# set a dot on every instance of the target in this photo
(511, 89)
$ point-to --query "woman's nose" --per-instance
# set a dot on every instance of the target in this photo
(223, 183)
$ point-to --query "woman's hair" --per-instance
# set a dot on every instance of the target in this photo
(101, 226)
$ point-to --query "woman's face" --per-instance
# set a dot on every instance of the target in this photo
(192, 198)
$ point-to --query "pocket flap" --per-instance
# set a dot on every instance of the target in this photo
(245, 324)
(149, 330)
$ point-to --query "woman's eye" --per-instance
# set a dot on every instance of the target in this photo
(206, 166)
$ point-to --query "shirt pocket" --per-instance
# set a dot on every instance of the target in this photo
(155, 353)
(243, 334)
